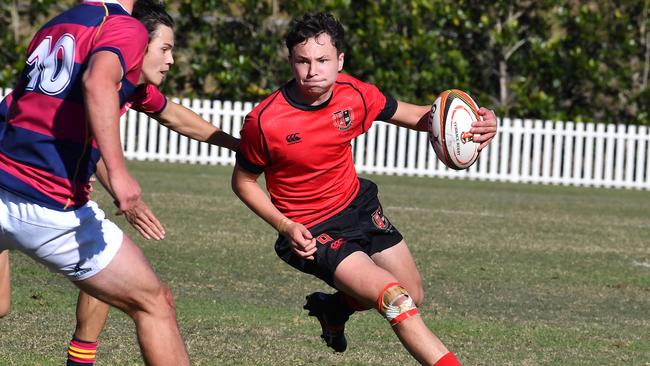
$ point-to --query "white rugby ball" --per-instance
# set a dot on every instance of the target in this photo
(450, 120)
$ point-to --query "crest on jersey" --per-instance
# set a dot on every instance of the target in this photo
(343, 119)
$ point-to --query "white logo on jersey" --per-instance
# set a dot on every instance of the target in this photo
(53, 77)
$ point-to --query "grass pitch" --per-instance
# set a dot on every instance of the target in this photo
(513, 274)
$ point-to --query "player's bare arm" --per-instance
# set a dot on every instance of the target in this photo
(411, 116)
(186, 122)
(100, 85)
(247, 188)
(415, 117)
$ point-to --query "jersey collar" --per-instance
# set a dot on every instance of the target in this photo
(116, 2)
(296, 104)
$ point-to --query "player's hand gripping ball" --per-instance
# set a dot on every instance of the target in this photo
(450, 120)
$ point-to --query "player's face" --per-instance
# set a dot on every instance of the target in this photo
(315, 64)
(158, 58)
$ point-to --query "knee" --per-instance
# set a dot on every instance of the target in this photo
(396, 304)
(417, 294)
(158, 303)
(168, 297)
(163, 300)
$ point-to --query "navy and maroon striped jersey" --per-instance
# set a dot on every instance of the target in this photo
(305, 151)
(47, 152)
(147, 98)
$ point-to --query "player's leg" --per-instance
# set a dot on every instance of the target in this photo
(331, 310)
(399, 261)
(103, 262)
(129, 283)
(91, 317)
(363, 279)
(5, 284)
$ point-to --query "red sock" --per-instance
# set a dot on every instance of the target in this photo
(448, 360)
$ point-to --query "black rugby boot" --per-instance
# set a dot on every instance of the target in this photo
(332, 320)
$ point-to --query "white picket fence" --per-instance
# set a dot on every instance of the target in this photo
(527, 151)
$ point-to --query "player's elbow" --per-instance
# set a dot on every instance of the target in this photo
(235, 184)
(240, 186)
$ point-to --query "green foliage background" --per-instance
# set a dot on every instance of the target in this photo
(548, 59)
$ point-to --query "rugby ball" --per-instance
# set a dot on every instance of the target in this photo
(450, 120)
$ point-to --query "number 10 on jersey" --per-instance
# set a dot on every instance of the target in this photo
(52, 66)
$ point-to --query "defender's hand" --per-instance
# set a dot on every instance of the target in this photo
(144, 221)
(126, 191)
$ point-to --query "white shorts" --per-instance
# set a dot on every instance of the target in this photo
(77, 244)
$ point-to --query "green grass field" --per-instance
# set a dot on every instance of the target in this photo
(514, 275)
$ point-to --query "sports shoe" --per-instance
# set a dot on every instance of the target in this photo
(318, 305)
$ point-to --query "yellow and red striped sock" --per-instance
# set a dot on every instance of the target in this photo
(81, 353)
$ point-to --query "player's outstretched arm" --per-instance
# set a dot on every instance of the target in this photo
(186, 122)
(247, 188)
(100, 84)
(139, 216)
(416, 118)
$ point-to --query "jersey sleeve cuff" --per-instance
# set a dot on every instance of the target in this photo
(247, 165)
(389, 109)
(163, 106)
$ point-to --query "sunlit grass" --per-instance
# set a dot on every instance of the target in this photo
(514, 275)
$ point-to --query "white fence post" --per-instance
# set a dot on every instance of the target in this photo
(504, 157)
(557, 152)
(640, 177)
(578, 153)
(515, 164)
(216, 117)
(380, 158)
(620, 156)
(588, 177)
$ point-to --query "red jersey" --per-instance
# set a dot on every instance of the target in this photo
(47, 153)
(305, 152)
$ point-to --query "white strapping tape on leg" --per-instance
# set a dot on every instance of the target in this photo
(395, 304)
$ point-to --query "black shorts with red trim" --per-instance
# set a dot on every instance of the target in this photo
(361, 226)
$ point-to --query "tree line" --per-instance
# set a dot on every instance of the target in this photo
(559, 60)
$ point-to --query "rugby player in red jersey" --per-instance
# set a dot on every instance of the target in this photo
(81, 68)
(330, 222)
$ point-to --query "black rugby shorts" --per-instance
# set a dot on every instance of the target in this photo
(361, 226)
